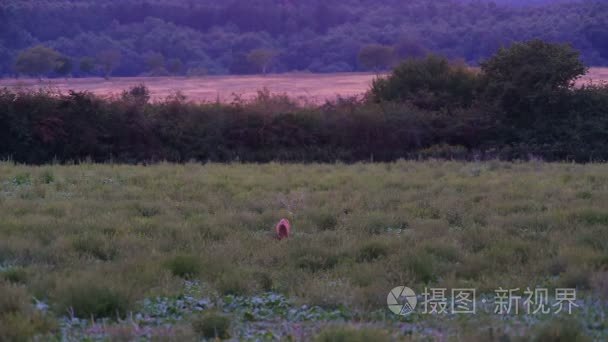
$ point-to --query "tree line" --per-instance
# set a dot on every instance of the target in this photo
(522, 103)
(185, 37)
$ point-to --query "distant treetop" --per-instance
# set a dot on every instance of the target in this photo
(183, 36)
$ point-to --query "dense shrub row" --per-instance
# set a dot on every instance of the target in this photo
(521, 104)
(40, 127)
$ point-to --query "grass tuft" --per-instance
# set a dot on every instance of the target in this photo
(212, 325)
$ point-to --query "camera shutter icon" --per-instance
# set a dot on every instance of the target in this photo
(401, 300)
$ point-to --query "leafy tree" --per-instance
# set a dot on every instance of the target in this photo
(314, 35)
(408, 47)
(175, 66)
(261, 59)
(37, 61)
(376, 57)
(429, 83)
(87, 65)
(530, 76)
(63, 66)
(139, 94)
(155, 62)
(108, 60)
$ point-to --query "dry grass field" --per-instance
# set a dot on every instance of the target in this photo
(306, 87)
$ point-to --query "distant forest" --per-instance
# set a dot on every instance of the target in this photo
(161, 37)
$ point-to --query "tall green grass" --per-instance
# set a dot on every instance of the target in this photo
(94, 240)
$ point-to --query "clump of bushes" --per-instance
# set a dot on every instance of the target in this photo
(19, 321)
(560, 330)
(94, 247)
(371, 251)
(522, 102)
(14, 275)
(212, 325)
(88, 299)
(348, 334)
(184, 266)
(325, 220)
(313, 258)
(233, 283)
(430, 83)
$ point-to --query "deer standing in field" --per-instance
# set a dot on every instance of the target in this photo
(283, 229)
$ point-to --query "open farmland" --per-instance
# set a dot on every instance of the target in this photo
(304, 87)
(164, 242)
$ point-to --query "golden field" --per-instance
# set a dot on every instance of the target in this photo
(306, 87)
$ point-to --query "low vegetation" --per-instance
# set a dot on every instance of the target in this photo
(119, 243)
(522, 104)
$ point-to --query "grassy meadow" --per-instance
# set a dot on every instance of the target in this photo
(168, 251)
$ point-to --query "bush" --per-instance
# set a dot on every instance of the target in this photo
(94, 247)
(13, 300)
(27, 327)
(560, 330)
(14, 275)
(212, 325)
(184, 266)
(86, 300)
(233, 283)
(18, 320)
(427, 108)
(421, 266)
(324, 220)
(444, 151)
(530, 77)
(430, 83)
(344, 334)
(313, 258)
(371, 251)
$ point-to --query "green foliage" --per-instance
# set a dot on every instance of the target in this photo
(429, 83)
(18, 320)
(175, 66)
(63, 66)
(138, 94)
(513, 229)
(19, 327)
(108, 60)
(39, 60)
(530, 77)
(95, 247)
(324, 220)
(422, 266)
(376, 57)
(87, 65)
(22, 179)
(184, 266)
(85, 300)
(13, 299)
(560, 330)
(212, 325)
(314, 35)
(261, 59)
(234, 283)
(14, 275)
(348, 334)
(371, 251)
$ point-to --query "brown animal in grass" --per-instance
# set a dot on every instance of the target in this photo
(283, 229)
